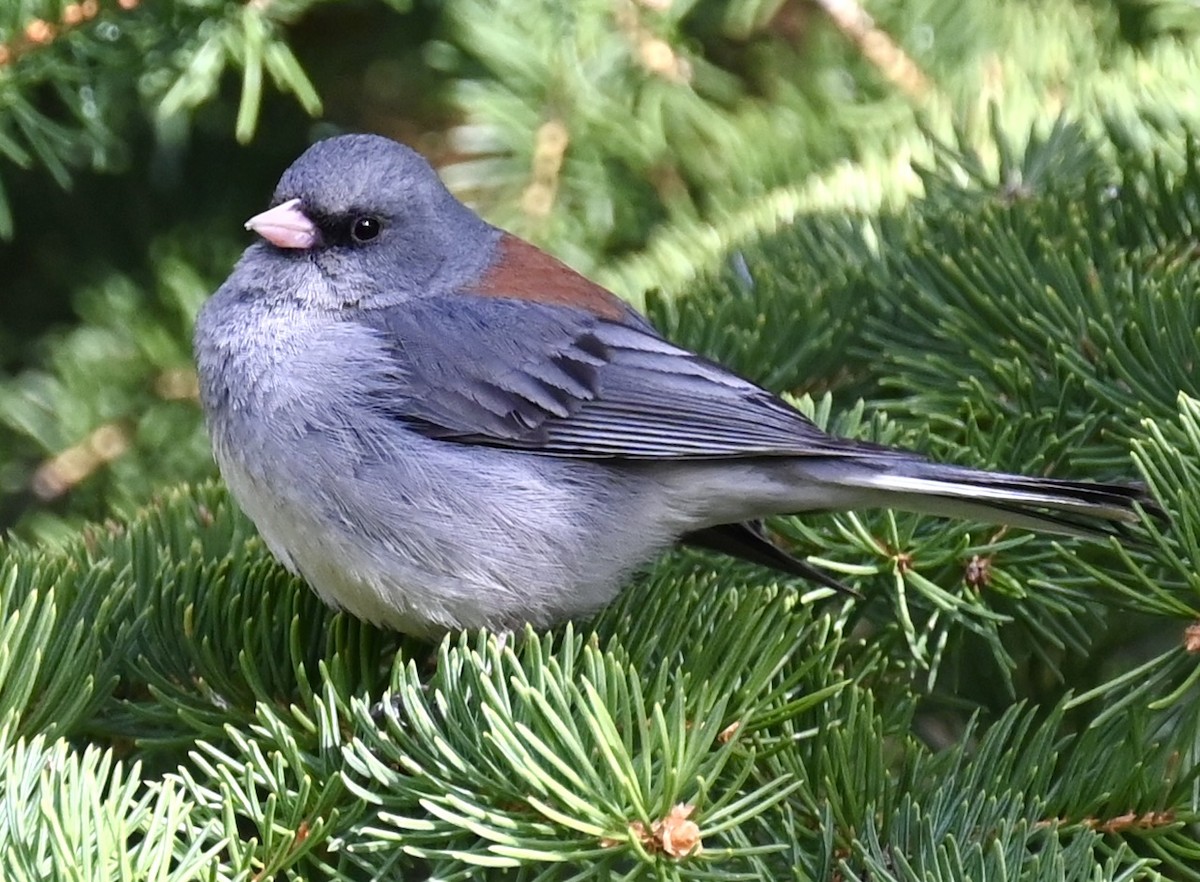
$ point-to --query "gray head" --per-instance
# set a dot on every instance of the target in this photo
(360, 217)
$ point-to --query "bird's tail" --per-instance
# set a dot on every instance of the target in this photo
(1073, 508)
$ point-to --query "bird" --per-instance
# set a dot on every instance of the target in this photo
(439, 426)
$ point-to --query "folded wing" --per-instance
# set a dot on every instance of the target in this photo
(555, 380)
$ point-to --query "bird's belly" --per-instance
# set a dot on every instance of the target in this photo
(510, 539)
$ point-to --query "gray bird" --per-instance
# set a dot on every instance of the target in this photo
(440, 426)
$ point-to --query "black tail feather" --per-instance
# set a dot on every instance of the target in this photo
(749, 541)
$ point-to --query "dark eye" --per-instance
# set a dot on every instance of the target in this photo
(364, 229)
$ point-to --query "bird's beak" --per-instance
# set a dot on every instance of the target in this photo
(285, 226)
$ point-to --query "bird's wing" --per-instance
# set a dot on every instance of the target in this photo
(564, 381)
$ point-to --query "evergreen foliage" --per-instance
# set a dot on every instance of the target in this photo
(988, 255)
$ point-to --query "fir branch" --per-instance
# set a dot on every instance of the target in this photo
(85, 816)
(250, 37)
(876, 45)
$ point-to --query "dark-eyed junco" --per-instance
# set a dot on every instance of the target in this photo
(439, 426)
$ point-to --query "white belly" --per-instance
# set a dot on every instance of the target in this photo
(423, 562)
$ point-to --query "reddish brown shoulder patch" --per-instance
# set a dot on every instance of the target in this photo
(522, 271)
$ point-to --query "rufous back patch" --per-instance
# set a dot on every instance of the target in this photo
(524, 272)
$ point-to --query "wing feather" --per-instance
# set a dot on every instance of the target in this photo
(552, 379)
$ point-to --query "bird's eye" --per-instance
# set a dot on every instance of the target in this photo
(364, 229)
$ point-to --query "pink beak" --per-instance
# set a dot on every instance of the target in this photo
(285, 226)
